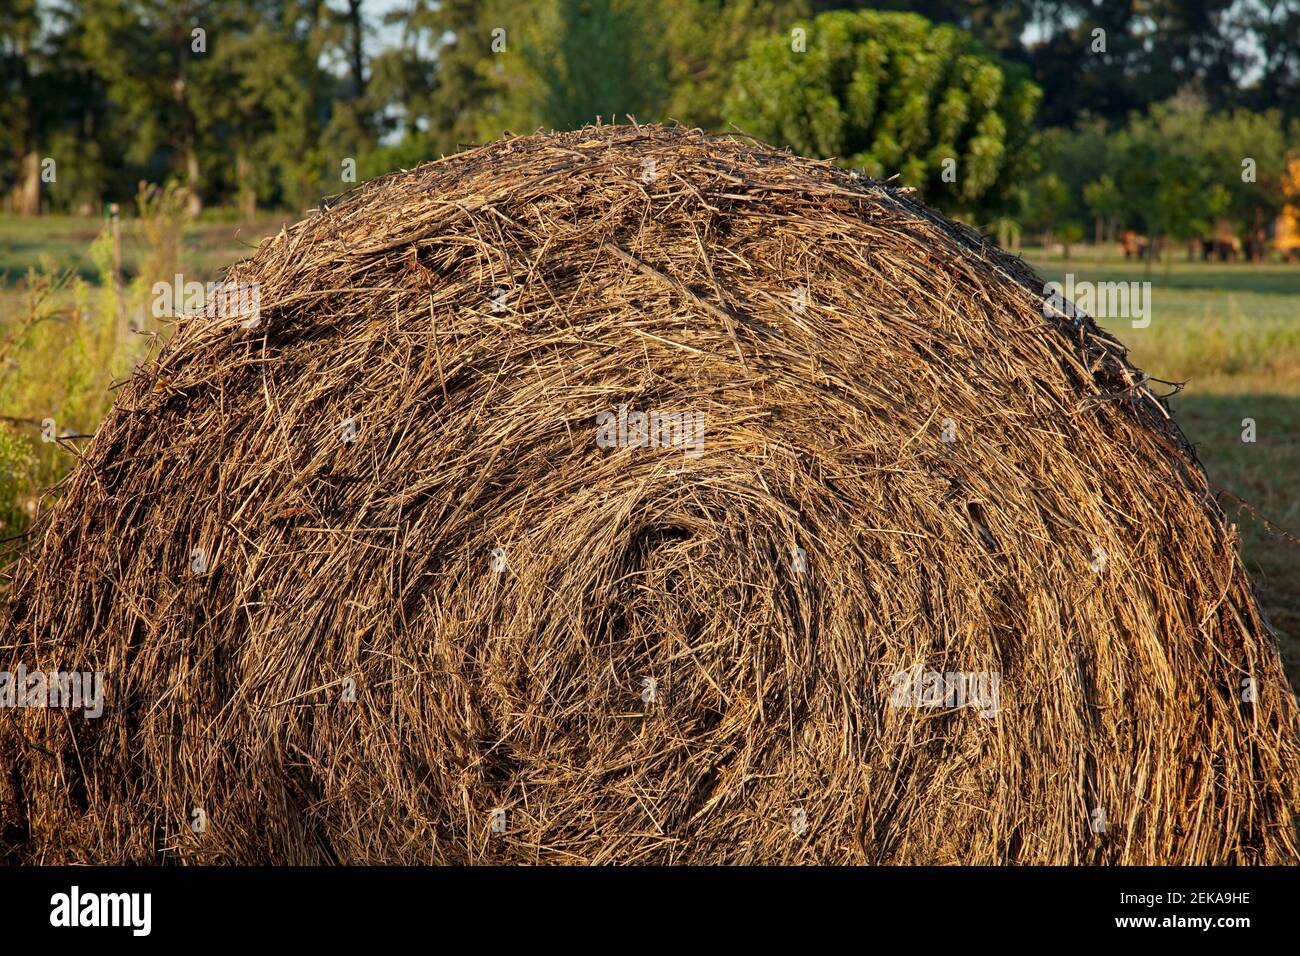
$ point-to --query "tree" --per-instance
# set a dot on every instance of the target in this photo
(1048, 202)
(600, 60)
(998, 25)
(1275, 27)
(466, 71)
(1071, 233)
(1247, 156)
(1181, 167)
(355, 107)
(263, 136)
(704, 40)
(152, 56)
(892, 93)
(44, 90)
(1104, 201)
(456, 52)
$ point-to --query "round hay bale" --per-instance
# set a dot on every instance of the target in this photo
(635, 495)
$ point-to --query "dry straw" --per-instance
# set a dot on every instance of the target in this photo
(315, 650)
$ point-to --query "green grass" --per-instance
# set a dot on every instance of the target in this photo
(61, 242)
(1268, 278)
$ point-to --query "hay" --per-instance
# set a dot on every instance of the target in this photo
(972, 489)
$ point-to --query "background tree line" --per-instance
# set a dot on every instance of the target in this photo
(254, 103)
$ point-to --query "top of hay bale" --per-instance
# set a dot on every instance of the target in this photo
(645, 485)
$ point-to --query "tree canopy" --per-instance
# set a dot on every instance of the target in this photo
(891, 92)
(252, 103)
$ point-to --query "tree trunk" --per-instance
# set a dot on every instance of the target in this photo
(188, 141)
(247, 191)
(27, 197)
(27, 194)
(357, 50)
(195, 202)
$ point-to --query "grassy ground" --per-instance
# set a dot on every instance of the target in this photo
(61, 242)
(1230, 331)
(70, 324)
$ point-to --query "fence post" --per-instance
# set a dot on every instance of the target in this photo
(115, 216)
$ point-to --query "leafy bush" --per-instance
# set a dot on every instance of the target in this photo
(892, 93)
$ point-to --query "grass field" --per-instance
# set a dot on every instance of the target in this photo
(62, 241)
(1231, 332)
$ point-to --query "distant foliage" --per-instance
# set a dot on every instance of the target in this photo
(1174, 173)
(597, 57)
(892, 93)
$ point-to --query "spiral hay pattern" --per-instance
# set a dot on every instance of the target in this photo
(398, 573)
